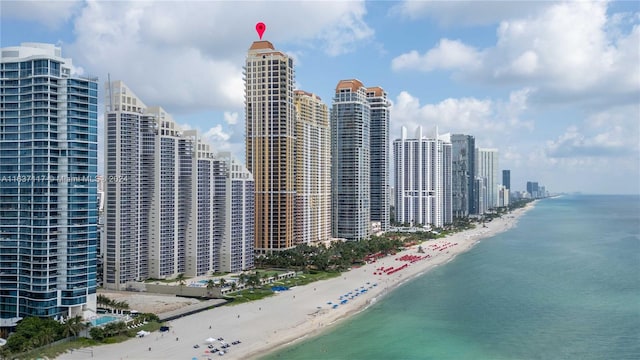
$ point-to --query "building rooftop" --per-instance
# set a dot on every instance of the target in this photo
(353, 84)
(306, 93)
(262, 45)
(376, 90)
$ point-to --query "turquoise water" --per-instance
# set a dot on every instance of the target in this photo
(563, 284)
(104, 319)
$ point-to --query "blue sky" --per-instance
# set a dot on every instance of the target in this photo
(555, 86)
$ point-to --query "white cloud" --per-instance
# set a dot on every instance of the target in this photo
(231, 118)
(50, 13)
(569, 52)
(449, 54)
(216, 135)
(465, 13)
(488, 120)
(189, 58)
(614, 133)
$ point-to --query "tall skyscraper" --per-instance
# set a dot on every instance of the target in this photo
(48, 195)
(506, 179)
(270, 144)
(463, 174)
(487, 168)
(313, 169)
(129, 161)
(234, 218)
(379, 154)
(350, 161)
(423, 179)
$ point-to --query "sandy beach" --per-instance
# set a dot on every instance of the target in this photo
(268, 324)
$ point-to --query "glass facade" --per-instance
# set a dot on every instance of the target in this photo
(48, 189)
(379, 152)
(350, 161)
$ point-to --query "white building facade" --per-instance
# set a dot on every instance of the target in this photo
(423, 189)
(487, 168)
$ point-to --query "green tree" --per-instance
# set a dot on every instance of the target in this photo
(73, 326)
(182, 280)
(210, 286)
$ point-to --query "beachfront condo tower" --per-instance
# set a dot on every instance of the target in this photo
(313, 169)
(270, 144)
(48, 193)
(129, 152)
(379, 156)
(161, 197)
(463, 174)
(487, 168)
(423, 179)
(234, 213)
(350, 161)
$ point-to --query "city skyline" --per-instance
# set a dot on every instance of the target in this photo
(495, 70)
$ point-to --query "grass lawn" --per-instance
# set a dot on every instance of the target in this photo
(54, 351)
(247, 295)
(81, 343)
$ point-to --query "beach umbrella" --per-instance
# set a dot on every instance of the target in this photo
(210, 340)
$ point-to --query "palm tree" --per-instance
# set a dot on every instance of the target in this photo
(243, 278)
(47, 335)
(222, 282)
(181, 279)
(234, 286)
(210, 286)
(73, 326)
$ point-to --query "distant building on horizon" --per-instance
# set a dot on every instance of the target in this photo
(506, 179)
(532, 189)
(423, 179)
(270, 144)
(313, 169)
(48, 194)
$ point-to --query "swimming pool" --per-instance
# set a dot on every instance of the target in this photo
(103, 319)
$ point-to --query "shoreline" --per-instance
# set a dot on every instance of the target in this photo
(271, 324)
(511, 221)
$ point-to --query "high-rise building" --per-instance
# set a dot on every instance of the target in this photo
(480, 195)
(235, 213)
(503, 196)
(506, 179)
(202, 248)
(487, 167)
(423, 179)
(379, 156)
(350, 161)
(463, 174)
(129, 161)
(270, 144)
(313, 169)
(164, 212)
(171, 198)
(48, 195)
(532, 189)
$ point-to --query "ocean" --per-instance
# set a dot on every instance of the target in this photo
(563, 284)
